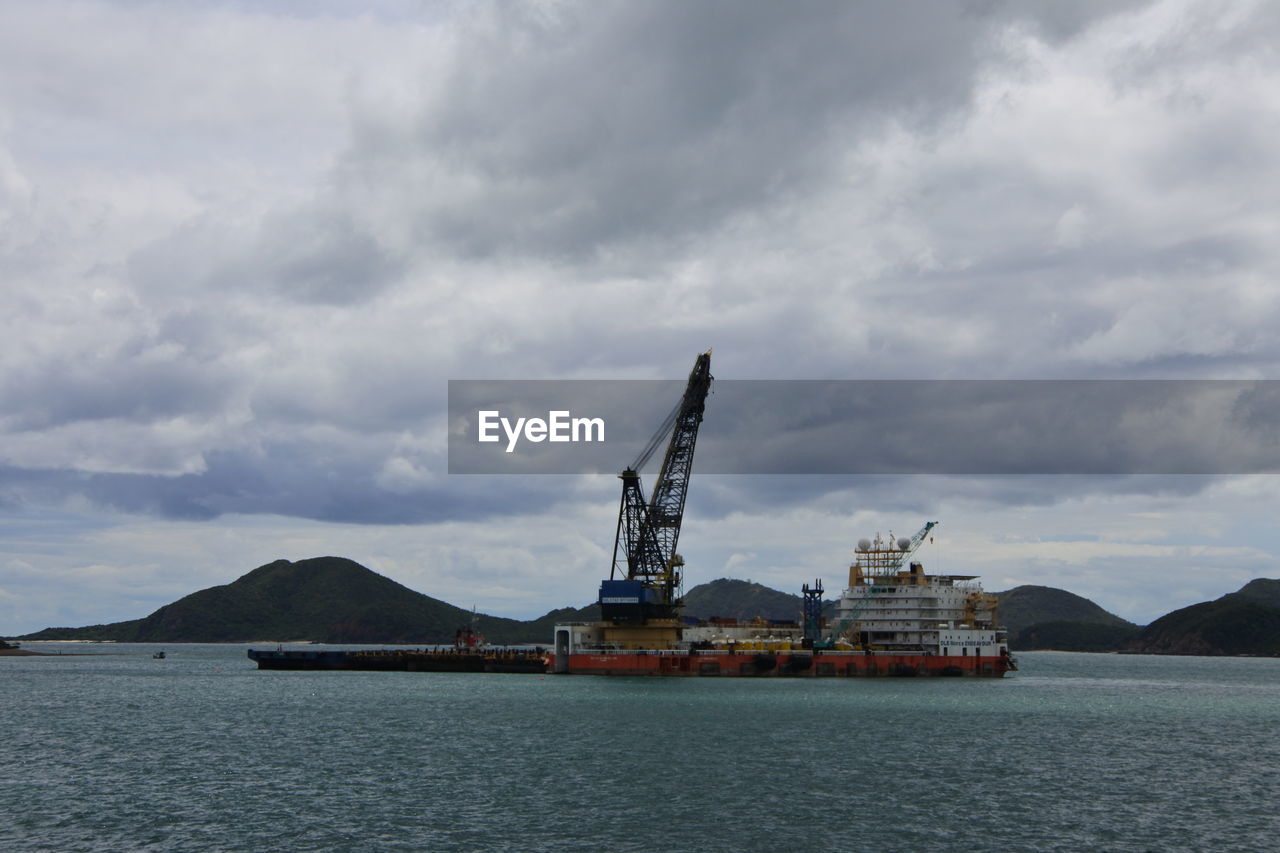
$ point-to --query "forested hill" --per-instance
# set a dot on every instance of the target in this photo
(1024, 606)
(743, 600)
(1244, 622)
(325, 599)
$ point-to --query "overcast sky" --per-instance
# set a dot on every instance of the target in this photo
(244, 246)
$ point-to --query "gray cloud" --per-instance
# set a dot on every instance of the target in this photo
(614, 125)
(297, 479)
(142, 381)
(312, 254)
(717, 497)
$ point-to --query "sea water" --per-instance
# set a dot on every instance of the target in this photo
(115, 750)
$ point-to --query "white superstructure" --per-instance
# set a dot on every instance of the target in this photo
(889, 608)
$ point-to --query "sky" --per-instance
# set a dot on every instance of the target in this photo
(245, 246)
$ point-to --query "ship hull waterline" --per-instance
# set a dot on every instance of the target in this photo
(817, 664)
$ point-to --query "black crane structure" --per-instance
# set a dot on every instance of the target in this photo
(812, 613)
(645, 580)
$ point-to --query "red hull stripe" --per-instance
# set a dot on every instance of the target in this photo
(822, 664)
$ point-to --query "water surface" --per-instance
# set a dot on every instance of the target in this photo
(114, 750)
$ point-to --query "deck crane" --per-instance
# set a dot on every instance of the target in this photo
(644, 583)
(881, 562)
(912, 544)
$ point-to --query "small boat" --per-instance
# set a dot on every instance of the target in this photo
(159, 655)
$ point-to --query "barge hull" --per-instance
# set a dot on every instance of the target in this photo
(824, 664)
(401, 660)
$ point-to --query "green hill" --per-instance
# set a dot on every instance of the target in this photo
(1044, 617)
(1074, 637)
(326, 599)
(742, 600)
(1024, 606)
(1262, 590)
(336, 600)
(1244, 622)
(543, 627)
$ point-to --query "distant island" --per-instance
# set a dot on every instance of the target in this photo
(337, 600)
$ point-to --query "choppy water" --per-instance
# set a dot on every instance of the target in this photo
(201, 751)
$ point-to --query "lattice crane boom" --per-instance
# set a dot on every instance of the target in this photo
(644, 548)
(915, 543)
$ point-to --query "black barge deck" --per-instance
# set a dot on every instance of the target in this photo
(405, 660)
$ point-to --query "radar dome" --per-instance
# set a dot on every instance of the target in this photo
(903, 543)
(864, 544)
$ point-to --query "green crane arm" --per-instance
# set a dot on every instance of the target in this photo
(914, 544)
(894, 564)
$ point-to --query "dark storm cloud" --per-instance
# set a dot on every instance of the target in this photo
(721, 496)
(322, 256)
(298, 480)
(315, 253)
(621, 123)
(979, 427)
(139, 381)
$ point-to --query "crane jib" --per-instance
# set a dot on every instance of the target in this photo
(644, 550)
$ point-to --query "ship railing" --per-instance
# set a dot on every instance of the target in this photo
(614, 649)
(879, 603)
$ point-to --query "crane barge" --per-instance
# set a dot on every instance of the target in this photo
(640, 603)
(892, 620)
